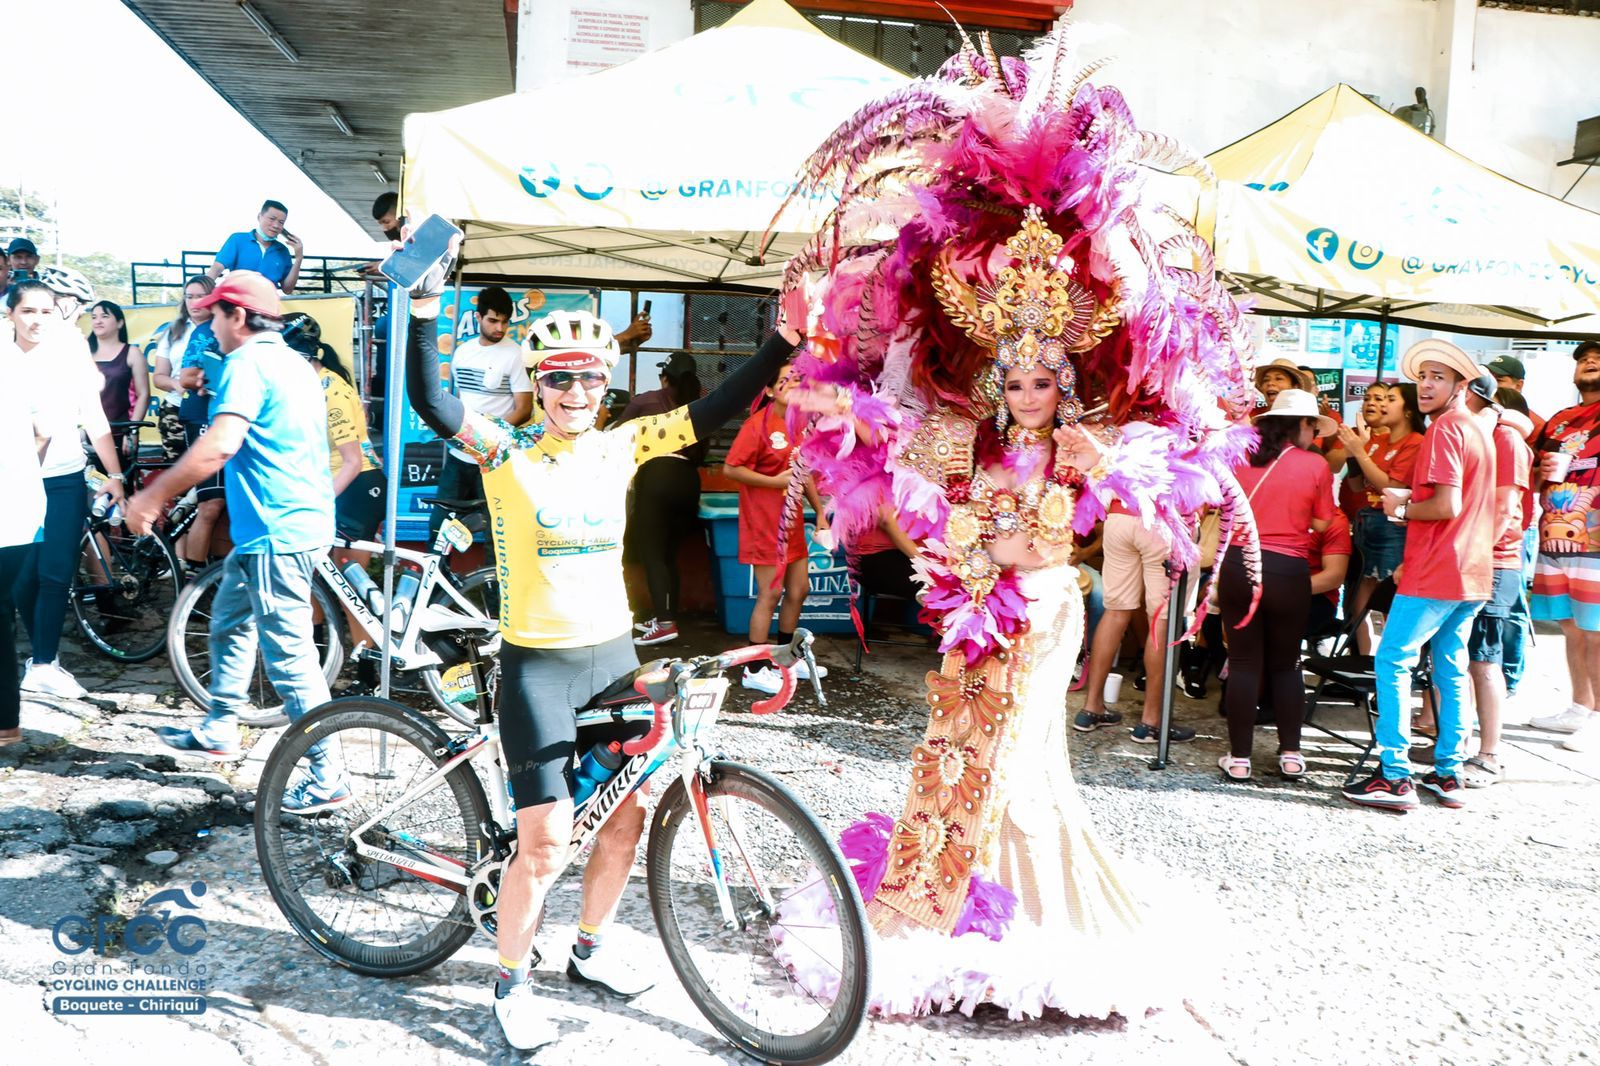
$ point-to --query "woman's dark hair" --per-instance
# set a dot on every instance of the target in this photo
(1277, 433)
(681, 378)
(304, 334)
(1408, 397)
(115, 312)
(1509, 397)
(181, 323)
(22, 288)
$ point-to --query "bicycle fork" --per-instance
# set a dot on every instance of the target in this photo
(694, 783)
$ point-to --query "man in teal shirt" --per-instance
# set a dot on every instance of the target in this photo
(269, 435)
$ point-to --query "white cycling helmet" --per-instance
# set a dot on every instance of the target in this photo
(64, 281)
(570, 340)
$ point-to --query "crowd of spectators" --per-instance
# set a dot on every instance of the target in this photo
(1427, 506)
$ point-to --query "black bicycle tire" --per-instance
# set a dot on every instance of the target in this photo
(359, 712)
(671, 814)
(429, 675)
(84, 614)
(189, 681)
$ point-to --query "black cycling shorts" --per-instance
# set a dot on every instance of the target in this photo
(211, 487)
(358, 510)
(541, 690)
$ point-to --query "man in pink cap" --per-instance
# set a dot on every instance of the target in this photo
(268, 433)
(1446, 577)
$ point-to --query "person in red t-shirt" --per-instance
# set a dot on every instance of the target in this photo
(1386, 461)
(1510, 373)
(1490, 645)
(1290, 489)
(759, 462)
(1446, 577)
(1329, 561)
(1352, 490)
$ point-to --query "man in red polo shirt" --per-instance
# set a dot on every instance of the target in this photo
(1445, 579)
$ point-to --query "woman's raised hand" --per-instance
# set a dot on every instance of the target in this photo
(1077, 446)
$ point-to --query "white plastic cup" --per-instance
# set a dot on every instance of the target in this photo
(1113, 687)
(1399, 494)
(1561, 463)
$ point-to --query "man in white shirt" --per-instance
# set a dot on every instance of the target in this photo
(488, 375)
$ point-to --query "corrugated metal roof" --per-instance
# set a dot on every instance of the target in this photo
(374, 62)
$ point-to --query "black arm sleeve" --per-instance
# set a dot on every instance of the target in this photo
(733, 397)
(443, 412)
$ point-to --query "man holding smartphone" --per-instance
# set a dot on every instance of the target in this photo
(268, 249)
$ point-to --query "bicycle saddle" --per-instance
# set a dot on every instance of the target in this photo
(621, 690)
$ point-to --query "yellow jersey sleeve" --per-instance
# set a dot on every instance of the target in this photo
(343, 425)
(658, 435)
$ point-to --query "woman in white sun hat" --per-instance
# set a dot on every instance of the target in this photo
(1291, 491)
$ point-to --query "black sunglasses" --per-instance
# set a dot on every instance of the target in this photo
(561, 380)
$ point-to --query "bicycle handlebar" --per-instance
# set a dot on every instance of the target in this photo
(660, 686)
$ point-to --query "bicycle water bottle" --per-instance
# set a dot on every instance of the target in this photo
(370, 593)
(405, 592)
(596, 768)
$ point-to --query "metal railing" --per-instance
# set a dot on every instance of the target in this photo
(163, 282)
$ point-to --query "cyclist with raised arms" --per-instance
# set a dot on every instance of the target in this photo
(557, 493)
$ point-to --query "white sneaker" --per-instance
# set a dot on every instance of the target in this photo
(524, 1019)
(612, 971)
(50, 679)
(1586, 737)
(803, 673)
(767, 679)
(1568, 721)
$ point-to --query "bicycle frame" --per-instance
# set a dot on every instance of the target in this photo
(691, 706)
(405, 651)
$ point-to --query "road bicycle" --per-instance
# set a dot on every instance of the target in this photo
(125, 586)
(445, 613)
(398, 878)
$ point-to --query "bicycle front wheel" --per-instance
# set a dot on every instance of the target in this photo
(368, 915)
(188, 638)
(124, 590)
(787, 980)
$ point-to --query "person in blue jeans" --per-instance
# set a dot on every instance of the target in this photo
(1445, 577)
(268, 433)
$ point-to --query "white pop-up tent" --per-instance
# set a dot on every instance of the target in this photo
(664, 170)
(1340, 209)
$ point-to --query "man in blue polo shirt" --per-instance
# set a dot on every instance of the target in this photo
(260, 250)
(269, 434)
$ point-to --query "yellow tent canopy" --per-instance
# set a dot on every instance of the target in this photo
(1340, 209)
(664, 170)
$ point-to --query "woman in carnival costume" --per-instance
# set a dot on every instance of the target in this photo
(1006, 334)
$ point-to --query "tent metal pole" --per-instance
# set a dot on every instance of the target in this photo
(1383, 339)
(394, 418)
(1180, 596)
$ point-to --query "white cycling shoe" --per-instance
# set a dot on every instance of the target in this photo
(525, 1019)
(612, 971)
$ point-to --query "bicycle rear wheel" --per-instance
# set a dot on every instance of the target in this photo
(788, 982)
(124, 591)
(188, 639)
(482, 589)
(370, 916)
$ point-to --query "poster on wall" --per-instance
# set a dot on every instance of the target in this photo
(421, 451)
(1324, 336)
(1283, 333)
(1361, 345)
(1355, 394)
(598, 38)
(1330, 387)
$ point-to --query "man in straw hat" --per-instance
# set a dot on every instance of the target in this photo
(1446, 577)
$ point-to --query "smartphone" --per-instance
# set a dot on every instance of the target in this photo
(427, 246)
(646, 311)
(211, 365)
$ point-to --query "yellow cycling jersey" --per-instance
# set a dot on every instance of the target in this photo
(557, 512)
(347, 420)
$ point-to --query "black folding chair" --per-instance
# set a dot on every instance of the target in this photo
(1352, 672)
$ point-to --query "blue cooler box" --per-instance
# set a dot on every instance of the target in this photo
(827, 608)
